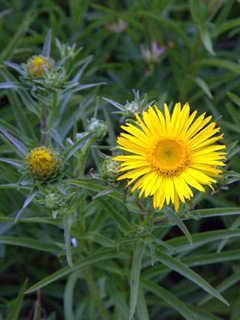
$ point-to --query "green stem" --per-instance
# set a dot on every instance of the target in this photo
(94, 292)
(53, 110)
(82, 158)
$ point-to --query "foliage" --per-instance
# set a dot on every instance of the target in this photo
(76, 241)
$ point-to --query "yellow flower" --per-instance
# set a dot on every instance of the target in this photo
(42, 162)
(37, 66)
(170, 154)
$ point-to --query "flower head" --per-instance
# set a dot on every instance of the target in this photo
(42, 162)
(170, 154)
(37, 66)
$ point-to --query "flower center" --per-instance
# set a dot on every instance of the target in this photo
(169, 156)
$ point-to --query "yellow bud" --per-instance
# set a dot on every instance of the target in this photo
(42, 162)
(37, 66)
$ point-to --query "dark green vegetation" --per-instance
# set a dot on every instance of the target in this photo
(194, 57)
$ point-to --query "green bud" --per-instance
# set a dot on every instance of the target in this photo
(54, 200)
(54, 79)
(110, 168)
(98, 127)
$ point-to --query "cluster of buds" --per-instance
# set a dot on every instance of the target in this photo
(98, 127)
(42, 162)
(131, 108)
(65, 49)
(55, 79)
(38, 66)
(54, 201)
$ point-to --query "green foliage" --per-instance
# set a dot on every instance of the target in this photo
(89, 248)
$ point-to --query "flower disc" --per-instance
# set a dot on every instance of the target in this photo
(169, 154)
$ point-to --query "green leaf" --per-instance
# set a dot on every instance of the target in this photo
(89, 185)
(219, 63)
(234, 225)
(170, 299)
(225, 285)
(142, 311)
(30, 220)
(121, 223)
(135, 276)
(21, 30)
(181, 268)
(75, 147)
(11, 85)
(234, 98)
(27, 201)
(195, 261)
(69, 295)
(47, 44)
(204, 86)
(14, 162)
(167, 25)
(17, 144)
(17, 304)
(14, 66)
(32, 244)
(99, 255)
(206, 39)
(217, 212)
(67, 238)
(180, 244)
(177, 220)
(102, 240)
(225, 26)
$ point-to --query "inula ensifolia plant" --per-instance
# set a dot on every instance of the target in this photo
(114, 202)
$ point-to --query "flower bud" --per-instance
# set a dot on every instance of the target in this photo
(42, 162)
(110, 168)
(54, 79)
(54, 201)
(98, 127)
(37, 66)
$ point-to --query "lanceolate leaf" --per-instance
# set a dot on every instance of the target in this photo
(28, 200)
(176, 219)
(47, 45)
(119, 220)
(17, 144)
(135, 276)
(170, 299)
(181, 268)
(17, 304)
(99, 255)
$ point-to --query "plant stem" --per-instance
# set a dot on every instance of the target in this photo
(82, 158)
(53, 110)
(94, 291)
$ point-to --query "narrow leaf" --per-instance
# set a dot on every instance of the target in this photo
(135, 276)
(47, 44)
(19, 146)
(170, 299)
(99, 255)
(121, 223)
(16, 307)
(28, 200)
(181, 268)
(174, 217)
